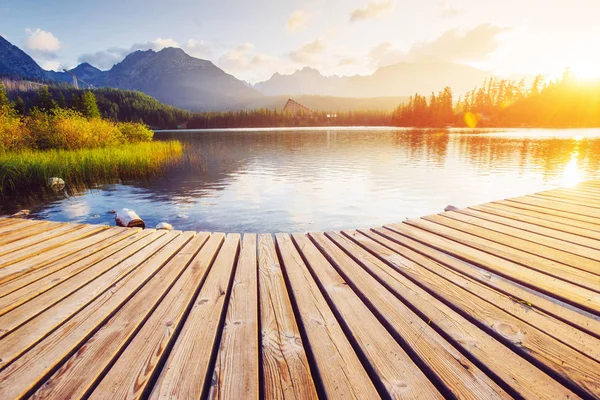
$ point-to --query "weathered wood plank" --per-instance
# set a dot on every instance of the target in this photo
(11, 299)
(15, 224)
(505, 286)
(523, 377)
(581, 368)
(339, 368)
(572, 200)
(286, 373)
(80, 372)
(533, 223)
(35, 366)
(187, 372)
(558, 206)
(561, 251)
(68, 236)
(541, 282)
(31, 240)
(39, 280)
(394, 371)
(30, 230)
(132, 372)
(18, 337)
(562, 217)
(237, 367)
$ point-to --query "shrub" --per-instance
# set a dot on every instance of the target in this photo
(135, 132)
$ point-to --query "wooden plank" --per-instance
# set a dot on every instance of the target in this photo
(30, 230)
(27, 372)
(64, 253)
(7, 221)
(427, 270)
(286, 373)
(67, 237)
(19, 337)
(533, 222)
(14, 224)
(524, 337)
(570, 201)
(131, 374)
(562, 217)
(100, 245)
(237, 367)
(79, 373)
(15, 298)
(339, 368)
(569, 209)
(478, 238)
(188, 369)
(29, 241)
(522, 377)
(548, 285)
(482, 276)
(492, 228)
(452, 372)
(574, 194)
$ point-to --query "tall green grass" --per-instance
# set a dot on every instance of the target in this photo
(26, 169)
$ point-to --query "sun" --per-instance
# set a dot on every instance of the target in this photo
(586, 70)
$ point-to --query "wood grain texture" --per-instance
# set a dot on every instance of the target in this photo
(504, 286)
(338, 366)
(444, 239)
(580, 368)
(286, 373)
(236, 373)
(80, 372)
(187, 372)
(35, 366)
(519, 374)
(588, 212)
(131, 374)
(454, 371)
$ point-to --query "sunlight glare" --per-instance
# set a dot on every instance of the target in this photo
(572, 175)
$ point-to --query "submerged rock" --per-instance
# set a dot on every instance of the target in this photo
(450, 208)
(164, 226)
(56, 183)
(20, 214)
(128, 218)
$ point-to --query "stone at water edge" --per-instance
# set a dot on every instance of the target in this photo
(129, 219)
(164, 226)
(20, 214)
(56, 183)
(450, 208)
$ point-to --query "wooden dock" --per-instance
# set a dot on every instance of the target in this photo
(500, 300)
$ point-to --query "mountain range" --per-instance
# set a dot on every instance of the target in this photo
(174, 77)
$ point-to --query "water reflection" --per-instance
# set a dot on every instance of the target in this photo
(270, 181)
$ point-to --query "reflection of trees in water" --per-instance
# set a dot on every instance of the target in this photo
(212, 158)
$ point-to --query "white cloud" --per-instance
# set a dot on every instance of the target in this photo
(42, 41)
(449, 9)
(199, 49)
(309, 53)
(455, 46)
(53, 65)
(245, 62)
(297, 21)
(372, 10)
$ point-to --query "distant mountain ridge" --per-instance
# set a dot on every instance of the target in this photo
(175, 78)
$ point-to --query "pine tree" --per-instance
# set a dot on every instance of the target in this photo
(20, 106)
(44, 101)
(88, 106)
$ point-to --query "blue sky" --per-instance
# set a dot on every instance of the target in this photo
(254, 39)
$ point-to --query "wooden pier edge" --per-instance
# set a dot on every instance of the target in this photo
(499, 300)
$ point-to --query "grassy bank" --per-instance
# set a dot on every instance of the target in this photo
(22, 170)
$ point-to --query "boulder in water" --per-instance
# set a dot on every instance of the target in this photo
(21, 214)
(450, 208)
(56, 183)
(164, 226)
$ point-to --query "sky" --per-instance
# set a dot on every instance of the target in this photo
(254, 39)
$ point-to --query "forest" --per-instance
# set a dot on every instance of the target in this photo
(564, 103)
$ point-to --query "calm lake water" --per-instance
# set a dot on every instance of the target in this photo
(321, 179)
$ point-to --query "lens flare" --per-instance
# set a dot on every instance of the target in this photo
(471, 119)
(572, 175)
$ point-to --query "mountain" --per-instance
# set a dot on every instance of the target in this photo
(402, 79)
(173, 77)
(14, 61)
(304, 81)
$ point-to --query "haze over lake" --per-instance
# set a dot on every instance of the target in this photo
(324, 179)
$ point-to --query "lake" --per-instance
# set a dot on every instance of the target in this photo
(333, 178)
